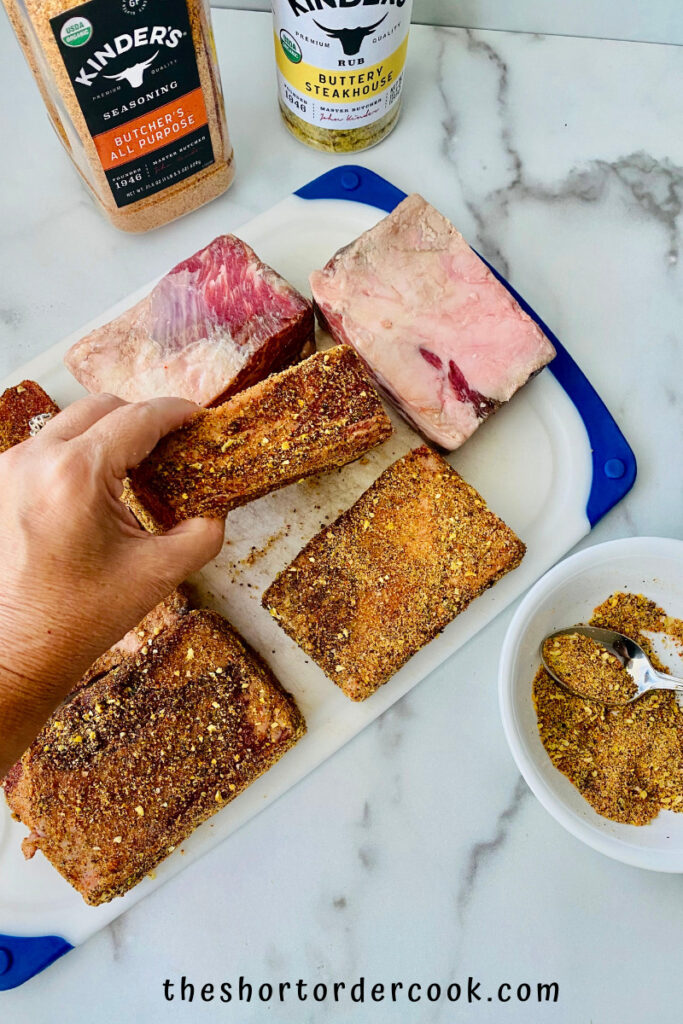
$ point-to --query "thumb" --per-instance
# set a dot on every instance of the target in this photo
(190, 545)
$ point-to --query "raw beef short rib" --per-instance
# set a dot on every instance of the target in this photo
(443, 338)
(218, 322)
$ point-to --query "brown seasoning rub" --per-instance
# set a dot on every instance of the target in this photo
(136, 760)
(165, 615)
(390, 573)
(311, 418)
(626, 762)
(45, 62)
(588, 670)
(24, 410)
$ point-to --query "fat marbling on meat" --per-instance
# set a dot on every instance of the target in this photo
(443, 338)
(217, 323)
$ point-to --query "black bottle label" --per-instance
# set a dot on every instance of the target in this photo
(134, 70)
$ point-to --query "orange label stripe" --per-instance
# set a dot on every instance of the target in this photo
(151, 131)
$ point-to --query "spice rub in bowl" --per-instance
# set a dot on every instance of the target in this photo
(627, 762)
(587, 669)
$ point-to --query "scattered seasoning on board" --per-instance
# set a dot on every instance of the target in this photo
(587, 669)
(626, 762)
(340, 69)
(133, 91)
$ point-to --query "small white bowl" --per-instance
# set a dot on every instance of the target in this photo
(567, 594)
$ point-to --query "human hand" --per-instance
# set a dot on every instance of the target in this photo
(77, 570)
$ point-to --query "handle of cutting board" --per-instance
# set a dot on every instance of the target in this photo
(22, 957)
(614, 464)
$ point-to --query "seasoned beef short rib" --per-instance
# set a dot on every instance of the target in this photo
(24, 411)
(443, 338)
(165, 615)
(215, 324)
(139, 756)
(311, 418)
(391, 572)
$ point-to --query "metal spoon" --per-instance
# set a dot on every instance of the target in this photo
(631, 655)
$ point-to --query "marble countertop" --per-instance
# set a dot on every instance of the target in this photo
(417, 852)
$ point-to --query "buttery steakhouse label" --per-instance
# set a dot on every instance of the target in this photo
(340, 62)
(133, 66)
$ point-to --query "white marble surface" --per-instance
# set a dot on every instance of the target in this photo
(416, 853)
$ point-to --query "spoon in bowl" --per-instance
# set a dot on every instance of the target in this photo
(631, 656)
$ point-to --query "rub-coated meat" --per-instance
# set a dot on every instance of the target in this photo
(134, 761)
(308, 419)
(24, 411)
(391, 572)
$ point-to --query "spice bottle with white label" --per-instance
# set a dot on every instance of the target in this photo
(133, 91)
(340, 69)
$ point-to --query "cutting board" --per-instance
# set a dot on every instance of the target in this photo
(551, 463)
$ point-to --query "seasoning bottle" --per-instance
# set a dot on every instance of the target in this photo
(133, 91)
(340, 69)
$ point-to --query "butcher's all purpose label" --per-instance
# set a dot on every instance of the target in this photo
(340, 62)
(133, 67)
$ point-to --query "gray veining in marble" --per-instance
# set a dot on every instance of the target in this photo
(655, 185)
(482, 850)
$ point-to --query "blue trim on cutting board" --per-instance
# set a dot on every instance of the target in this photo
(614, 464)
(355, 183)
(21, 958)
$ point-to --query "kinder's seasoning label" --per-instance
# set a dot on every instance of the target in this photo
(133, 91)
(340, 67)
(133, 68)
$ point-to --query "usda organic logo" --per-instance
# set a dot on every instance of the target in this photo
(290, 46)
(76, 31)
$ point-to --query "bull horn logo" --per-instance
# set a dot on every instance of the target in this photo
(134, 74)
(350, 38)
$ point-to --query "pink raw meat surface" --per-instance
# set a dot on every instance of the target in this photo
(217, 323)
(443, 338)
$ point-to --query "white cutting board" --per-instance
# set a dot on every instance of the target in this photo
(532, 462)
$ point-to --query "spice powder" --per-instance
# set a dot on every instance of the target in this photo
(588, 669)
(627, 762)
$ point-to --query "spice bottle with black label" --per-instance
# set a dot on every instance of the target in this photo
(340, 69)
(133, 90)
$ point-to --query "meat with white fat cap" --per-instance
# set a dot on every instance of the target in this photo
(443, 338)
